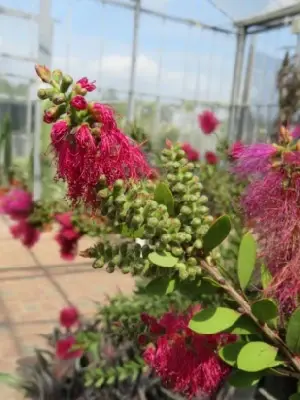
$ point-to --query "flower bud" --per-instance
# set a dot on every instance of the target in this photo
(176, 251)
(59, 98)
(42, 94)
(57, 75)
(67, 81)
(43, 73)
(99, 263)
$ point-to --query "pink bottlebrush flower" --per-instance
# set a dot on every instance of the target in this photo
(211, 158)
(104, 114)
(84, 138)
(64, 349)
(67, 237)
(185, 361)
(17, 204)
(236, 150)
(26, 232)
(208, 122)
(79, 102)
(59, 131)
(68, 317)
(254, 158)
(271, 206)
(85, 84)
(191, 153)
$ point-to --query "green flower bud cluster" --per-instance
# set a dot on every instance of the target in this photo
(136, 212)
(128, 256)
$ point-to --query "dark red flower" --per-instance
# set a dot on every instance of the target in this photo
(67, 237)
(236, 150)
(64, 349)
(211, 158)
(59, 131)
(191, 153)
(79, 102)
(48, 117)
(208, 122)
(68, 317)
(26, 232)
(85, 84)
(185, 361)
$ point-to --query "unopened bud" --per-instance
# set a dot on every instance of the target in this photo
(59, 99)
(57, 75)
(42, 94)
(43, 73)
(67, 81)
(80, 90)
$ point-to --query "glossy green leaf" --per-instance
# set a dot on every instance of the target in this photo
(257, 356)
(293, 332)
(246, 260)
(160, 286)
(216, 234)
(244, 326)
(190, 289)
(213, 320)
(265, 310)
(165, 260)
(244, 379)
(266, 276)
(230, 352)
(295, 396)
(164, 196)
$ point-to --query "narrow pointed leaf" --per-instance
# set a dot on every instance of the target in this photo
(266, 276)
(246, 260)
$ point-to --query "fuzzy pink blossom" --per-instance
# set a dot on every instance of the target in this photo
(296, 132)
(254, 159)
(26, 232)
(68, 317)
(208, 122)
(104, 114)
(211, 158)
(191, 153)
(79, 102)
(64, 349)
(67, 237)
(185, 361)
(17, 204)
(271, 207)
(85, 84)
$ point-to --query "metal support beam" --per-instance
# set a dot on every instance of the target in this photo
(131, 94)
(11, 12)
(237, 80)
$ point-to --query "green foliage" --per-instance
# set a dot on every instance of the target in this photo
(6, 148)
(213, 320)
(257, 356)
(246, 260)
(163, 195)
(265, 310)
(244, 379)
(293, 332)
(216, 234)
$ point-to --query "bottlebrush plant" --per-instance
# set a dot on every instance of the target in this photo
(245, 338)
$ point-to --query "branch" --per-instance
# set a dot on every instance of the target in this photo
(267, 331)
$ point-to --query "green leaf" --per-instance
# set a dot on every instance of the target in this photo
(266, 276)
(131, 233)
(218, 232)
(165, 260)
(160, 286)
(257, 356)
(213, 320)
(246, 260)
(244, 379)
(190, 289)
(243, 326)
(164, 196)
(230, 352)
(295, 396)
(293, 332)
(265, 310)
(8, 379)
